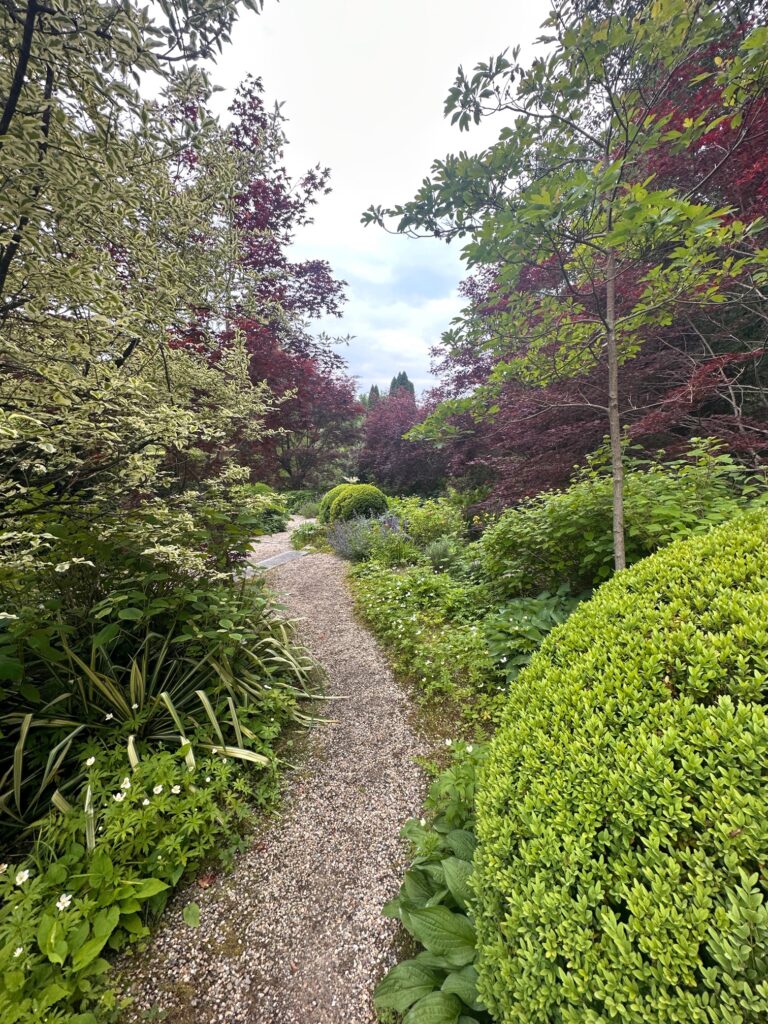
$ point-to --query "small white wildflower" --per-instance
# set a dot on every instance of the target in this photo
(90, 762)
(175, 789)
(207, 778)
(21, 877)
(215, 750)
(63, 902)
(119, 796)
(470, 748)
(422, 822)
(145, 802)
(126, 783)
(267, 687)
(448, 743)
(135, 707)
(157, 790)
(3, 868)
(18, 951)
(108, 717)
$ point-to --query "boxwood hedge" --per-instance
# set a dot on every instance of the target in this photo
(357, 500)
(328, 499)
(623, 812)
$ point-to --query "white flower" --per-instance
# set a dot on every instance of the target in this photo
(157, 790)
(3, 868)
(63, 902)
(423, 822)
(207, 778)
(18, 951)
(470, 748)
(108, 717)
(267, 687)
(21, 877)
(215, 750)
(175, 789)
(145, 802)
(135, 707)
(447, 743)
(118, 796)
(90, 762)
(126, 783)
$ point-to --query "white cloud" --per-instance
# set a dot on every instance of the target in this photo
(363, 85)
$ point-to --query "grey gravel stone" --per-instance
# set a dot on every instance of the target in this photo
(294, 935)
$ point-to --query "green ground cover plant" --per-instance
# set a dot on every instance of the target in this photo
(432, 626)
(621, 816)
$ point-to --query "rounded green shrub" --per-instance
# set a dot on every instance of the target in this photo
(357, 500)
(623, 813)
(328, 499)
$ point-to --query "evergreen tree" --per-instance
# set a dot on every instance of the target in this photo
(401, 382)
(374, 396)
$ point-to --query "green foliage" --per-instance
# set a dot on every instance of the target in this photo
(440, 983)
(516, 631)
(357, 500)
(428, 519)
(566, 536)
(328, 499)
(442, 553)
(393, 547)
(352, 539)
(154, 661)
(102, 870)
(296, 499)
(309, 535)
(310, 509)
(431, 624)
(622, 816)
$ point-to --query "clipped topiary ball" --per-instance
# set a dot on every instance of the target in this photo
(623, 813)
(328, 499)
(358, 500)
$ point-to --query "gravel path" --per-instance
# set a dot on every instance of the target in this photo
(294, 935)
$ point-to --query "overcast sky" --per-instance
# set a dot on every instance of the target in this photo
(363, 85)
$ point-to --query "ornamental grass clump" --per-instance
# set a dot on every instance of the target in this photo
(622, 817)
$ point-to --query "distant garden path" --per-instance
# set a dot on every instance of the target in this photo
(294, 935)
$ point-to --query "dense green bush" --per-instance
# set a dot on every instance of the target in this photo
(357, 500)
(566, 536)
(623, 813)
(324, 512)
(439, 984)
(426, 520)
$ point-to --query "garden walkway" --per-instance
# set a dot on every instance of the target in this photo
(294, 935)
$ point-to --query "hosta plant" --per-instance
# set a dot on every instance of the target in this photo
(439, 984)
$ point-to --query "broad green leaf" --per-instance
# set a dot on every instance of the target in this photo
(463, 983)
(436, 1008)
(444, 932)
(462, 843)
(406, 983)
(191, 915)
(457, 874)
(147, 887)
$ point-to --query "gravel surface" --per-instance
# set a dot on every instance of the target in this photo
(294, 935)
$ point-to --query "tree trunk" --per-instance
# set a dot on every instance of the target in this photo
(614, 418)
